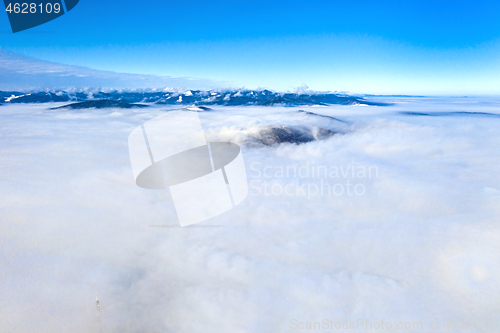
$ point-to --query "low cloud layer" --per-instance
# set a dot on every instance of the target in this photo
(419, 244)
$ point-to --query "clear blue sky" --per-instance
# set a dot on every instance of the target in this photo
(406, 46)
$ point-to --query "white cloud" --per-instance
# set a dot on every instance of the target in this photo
(421, 244)
(23, 73)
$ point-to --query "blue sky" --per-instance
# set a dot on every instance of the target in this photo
(381, 47)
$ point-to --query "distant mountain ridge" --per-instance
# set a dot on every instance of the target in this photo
(190, 97)
(28, 80)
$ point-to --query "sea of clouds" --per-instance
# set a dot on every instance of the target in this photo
(421, 243)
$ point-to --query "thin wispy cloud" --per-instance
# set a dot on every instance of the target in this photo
(19, 72)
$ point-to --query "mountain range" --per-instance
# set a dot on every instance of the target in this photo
(126, 99)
